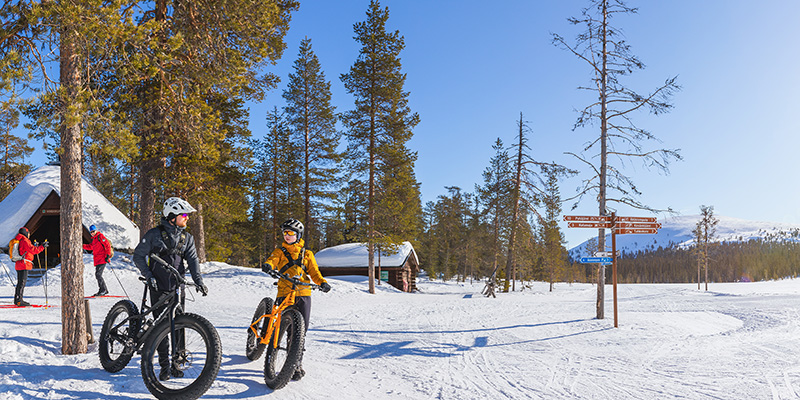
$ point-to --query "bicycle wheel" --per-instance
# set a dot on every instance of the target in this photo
(281, 361)
(196, 364)
(254, 347)
(117, 343)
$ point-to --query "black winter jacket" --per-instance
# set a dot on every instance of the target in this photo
(153, 243)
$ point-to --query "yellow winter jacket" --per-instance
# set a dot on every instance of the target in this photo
(277, 260)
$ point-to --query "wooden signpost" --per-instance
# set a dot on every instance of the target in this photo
(618, 226)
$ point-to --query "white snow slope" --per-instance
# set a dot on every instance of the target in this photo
(736, 341)
(677, 231)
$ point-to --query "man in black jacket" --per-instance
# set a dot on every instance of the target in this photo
(174, 245)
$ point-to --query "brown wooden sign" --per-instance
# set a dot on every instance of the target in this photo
(588, 218)
(589, 225)
(636, 219)
(626, 231)
(637, 225)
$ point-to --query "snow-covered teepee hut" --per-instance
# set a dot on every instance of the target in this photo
(36, 203)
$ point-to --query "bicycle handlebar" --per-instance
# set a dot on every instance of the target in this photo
(171, 270)
(296, 281)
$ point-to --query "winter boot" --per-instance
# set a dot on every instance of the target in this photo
(298, 373)
(22, 303)
(164, 375)
(101, 292)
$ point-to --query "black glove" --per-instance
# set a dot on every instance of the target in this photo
(266, 267)
(107, 258)
(325, 287)
(203, 289)
(151, 281)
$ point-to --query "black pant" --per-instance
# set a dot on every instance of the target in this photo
(22, 278)
(163, 347)
(302, 304)
(98, 273)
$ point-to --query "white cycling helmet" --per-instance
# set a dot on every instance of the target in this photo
(175, 206)
(294, 225)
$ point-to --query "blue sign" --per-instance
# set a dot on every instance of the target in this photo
(596, 260)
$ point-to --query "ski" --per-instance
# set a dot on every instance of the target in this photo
(98, 297)
(30, 306)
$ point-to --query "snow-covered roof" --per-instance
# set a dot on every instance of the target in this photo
(18, 207)
(355, 255)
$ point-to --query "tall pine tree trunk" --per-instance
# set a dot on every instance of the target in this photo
(510, 267)
(73, 317)
(371, 211)
(147, 196)
(199, 233)
(601, 240)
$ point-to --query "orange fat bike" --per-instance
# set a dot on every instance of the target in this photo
(280, 329)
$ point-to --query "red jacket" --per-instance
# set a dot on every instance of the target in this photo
(27, 250)
(99, 247)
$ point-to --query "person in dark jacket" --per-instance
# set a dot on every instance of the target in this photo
(174, 245)
(101, 252)
(27, 250)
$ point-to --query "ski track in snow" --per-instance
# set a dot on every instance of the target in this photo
(736, 341)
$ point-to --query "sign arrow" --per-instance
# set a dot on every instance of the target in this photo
(636, 219)
(596, 260)
(625, 231)
(588, 218)
(637, 225)
(589, 225)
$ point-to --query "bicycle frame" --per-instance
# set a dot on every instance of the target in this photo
(277, 311)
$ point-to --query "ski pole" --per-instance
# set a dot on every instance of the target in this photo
(8, 274)
(46, 300)
(117, 276)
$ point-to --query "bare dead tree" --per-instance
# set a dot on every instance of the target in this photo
(605, 50)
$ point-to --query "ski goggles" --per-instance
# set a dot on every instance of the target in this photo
(289, 233)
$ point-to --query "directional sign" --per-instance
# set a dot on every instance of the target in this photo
(626, 231)
(596, 260)
(637, 225)
(589, 225)
(588, 218)
(636, 219)
(604, 253)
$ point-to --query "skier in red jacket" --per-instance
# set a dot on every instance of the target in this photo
(101, 250)
(27, 250)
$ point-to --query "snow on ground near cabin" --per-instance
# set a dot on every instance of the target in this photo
(736, 341)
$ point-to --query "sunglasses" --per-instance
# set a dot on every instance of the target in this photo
(289, 233)
(184, 215)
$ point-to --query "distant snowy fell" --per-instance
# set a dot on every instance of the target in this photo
(677, 231)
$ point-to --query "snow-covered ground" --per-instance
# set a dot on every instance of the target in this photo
(736, 341)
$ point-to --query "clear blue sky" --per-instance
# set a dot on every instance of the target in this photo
(473, 66)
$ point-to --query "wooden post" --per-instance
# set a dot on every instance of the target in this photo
(614, 263)
(89, 333)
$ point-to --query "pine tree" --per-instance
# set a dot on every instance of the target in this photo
(13, 150)
(380, 124)
(704, 231)
(495, 196)
(313, 121)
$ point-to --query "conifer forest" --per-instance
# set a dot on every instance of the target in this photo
(157, 92)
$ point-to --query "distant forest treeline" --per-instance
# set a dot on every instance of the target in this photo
(753, 260)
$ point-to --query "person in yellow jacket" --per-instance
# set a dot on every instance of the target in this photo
(293, 259)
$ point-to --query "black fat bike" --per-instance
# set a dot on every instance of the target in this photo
(280, 329)
(195, 348)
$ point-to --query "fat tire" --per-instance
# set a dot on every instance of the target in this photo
(208, 371)
(115, 354)
(254, 348)
(290, 344)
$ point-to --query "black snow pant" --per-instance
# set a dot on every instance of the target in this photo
(98, 273)
(163, 347)
(302, 304)
(22, 278)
